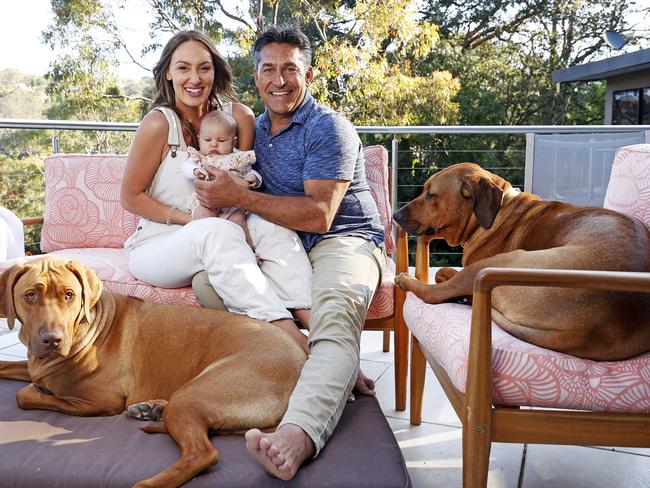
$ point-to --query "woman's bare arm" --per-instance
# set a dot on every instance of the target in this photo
(245, 119)
(148, 149)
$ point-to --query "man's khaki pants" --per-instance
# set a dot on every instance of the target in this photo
(347, 272)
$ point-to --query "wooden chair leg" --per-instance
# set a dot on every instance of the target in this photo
(476, 457)
(418, 373)
(386, 341)
(401, 355)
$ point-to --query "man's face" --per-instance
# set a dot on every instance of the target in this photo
(282, 79)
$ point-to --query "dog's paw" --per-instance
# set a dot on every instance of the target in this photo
(147, 410)
(403, 280)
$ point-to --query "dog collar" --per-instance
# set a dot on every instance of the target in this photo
(509, 195)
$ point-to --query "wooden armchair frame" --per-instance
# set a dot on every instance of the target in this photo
(396, 324)
(483, 422)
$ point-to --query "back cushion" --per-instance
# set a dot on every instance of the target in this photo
(376, 160)
(82, 202)
(628, 191)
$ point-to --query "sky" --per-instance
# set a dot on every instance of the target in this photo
(23, 21)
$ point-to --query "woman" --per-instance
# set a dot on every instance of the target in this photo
(168, 248)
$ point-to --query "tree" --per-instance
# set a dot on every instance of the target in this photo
(357, 75)
(82, 81)
(525, 40)
(368, 70)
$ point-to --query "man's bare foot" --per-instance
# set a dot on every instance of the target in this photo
(282, 452)
(364, 385)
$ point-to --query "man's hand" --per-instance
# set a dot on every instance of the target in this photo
(238, 179)
(220, 191)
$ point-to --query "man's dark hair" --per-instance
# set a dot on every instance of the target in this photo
(285, 34)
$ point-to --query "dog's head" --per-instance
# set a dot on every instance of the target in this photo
(453, 202)
(49, 297)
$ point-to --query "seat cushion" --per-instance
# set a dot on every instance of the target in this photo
(524, 374)
(628, 190)
(41, 448)
(112, 268)
(84, 220)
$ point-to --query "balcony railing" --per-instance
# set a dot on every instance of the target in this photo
(416, 152)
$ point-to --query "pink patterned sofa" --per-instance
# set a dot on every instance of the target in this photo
(486, 372)
(85, 221)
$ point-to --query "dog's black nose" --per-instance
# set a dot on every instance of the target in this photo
(398, 215)
(52, 340)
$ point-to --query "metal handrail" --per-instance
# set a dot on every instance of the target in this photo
(395, 131)
(363, 129)
(67, 125)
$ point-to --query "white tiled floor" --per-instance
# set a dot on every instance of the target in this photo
(433, 450)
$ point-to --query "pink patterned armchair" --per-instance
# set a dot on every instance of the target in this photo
(85, 221)
(488, 374)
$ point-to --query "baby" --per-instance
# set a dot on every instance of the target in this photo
(217, 139)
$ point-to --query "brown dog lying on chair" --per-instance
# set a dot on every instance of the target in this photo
(500, 227)
(95, 353)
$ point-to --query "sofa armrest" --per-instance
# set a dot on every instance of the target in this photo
(32, 220)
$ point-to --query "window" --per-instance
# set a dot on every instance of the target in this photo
(644, 112)
(631, 107)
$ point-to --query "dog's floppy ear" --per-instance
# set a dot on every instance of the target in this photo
(8, 280)
(91, 285)
(487, 198)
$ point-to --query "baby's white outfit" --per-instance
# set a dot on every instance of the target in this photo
(238, 161)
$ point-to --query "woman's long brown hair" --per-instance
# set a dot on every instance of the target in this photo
(222, 87)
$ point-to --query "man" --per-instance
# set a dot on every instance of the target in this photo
(311, 163)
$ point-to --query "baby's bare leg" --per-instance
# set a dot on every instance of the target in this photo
(239, 218)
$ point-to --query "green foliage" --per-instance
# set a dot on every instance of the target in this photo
(395, 62)
(82, 82)
(22, 189)
(370, 73)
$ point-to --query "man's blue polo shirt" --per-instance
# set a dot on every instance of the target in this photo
(318, 144)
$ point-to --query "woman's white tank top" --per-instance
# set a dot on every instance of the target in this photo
(168, 186)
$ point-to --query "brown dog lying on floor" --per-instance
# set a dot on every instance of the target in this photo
(95, 353)
(500, 227)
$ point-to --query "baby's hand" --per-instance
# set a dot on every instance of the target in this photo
(252, 180)
(201, 174)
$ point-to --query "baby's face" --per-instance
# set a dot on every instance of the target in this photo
(215, 138)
